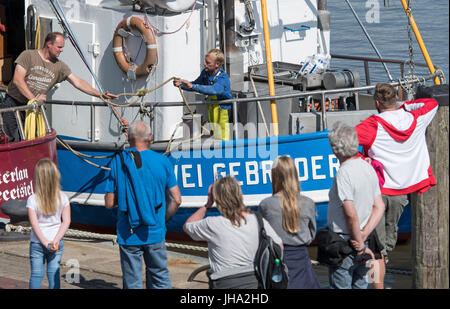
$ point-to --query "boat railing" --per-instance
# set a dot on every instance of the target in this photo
(367, 60)
(35, 106)
(322, 96)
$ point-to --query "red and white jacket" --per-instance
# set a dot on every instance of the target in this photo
(397, 140)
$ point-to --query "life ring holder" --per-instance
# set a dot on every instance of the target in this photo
(131, 69)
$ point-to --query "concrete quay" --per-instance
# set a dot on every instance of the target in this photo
(97, 264)
(89, 264)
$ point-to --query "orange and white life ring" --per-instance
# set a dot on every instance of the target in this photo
(149, 40)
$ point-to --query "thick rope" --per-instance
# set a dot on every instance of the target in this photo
(82, 155)
(204, 130)
(97, 236)
(140, 93)
(34, 122)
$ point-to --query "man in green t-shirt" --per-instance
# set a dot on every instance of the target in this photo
(36, 72)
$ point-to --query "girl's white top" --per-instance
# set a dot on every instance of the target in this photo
(49, 225)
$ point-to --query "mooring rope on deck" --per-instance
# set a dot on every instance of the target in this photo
(69, 233)
(139, 94)
(97, 236)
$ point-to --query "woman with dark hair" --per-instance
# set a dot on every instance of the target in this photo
(292, 216)
(232, 237)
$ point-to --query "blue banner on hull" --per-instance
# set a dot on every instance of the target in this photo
(249, 161)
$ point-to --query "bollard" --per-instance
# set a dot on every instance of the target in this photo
(430, 210)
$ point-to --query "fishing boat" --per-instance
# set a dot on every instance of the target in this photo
(285, 93)
(18, 161)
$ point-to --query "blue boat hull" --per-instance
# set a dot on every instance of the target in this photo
(247, 160)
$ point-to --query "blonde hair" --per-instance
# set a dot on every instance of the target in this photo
(229, 200)
(47, 186)
(217, 53)
(285, 182)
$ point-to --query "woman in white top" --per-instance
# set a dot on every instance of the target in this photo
(49, 215)
(232, 237)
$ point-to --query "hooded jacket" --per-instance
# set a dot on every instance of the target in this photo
(397, 140)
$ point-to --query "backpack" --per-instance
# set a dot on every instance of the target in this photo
(268, 251)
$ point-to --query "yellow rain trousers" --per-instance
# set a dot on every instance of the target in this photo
(219, 120)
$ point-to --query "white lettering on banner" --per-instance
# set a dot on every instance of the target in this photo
(234, 173)
(186, 175)
(333, 163)
(266, 167)
(19, 186)
(199, 175)
(305, 168)
(175, 171)
(315, 167)
(251, 173)
(215, 169)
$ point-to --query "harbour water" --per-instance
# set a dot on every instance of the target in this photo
(387, 24)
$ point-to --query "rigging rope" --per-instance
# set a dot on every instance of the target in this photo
(139, 93)
(82, 155)
(147, 20)
(90, 235)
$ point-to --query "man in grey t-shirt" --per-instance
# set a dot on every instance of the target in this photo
(355, 206)
(36, 72)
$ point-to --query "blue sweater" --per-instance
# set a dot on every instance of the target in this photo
(213, 85)
(141, 196)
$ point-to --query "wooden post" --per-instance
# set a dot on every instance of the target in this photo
(430, 212)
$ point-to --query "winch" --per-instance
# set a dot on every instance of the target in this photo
(288, 74)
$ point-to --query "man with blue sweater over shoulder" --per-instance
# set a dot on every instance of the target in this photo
(215, 83)
(143, 185)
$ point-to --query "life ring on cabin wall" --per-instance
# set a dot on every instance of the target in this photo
(149, 40)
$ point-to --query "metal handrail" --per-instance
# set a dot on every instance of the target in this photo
(323, 94)
(370, 59)
(366, 61)
(16, 111)
(21, 108)
(295, 94)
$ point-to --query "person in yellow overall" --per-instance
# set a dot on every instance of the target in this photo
(215, 83)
